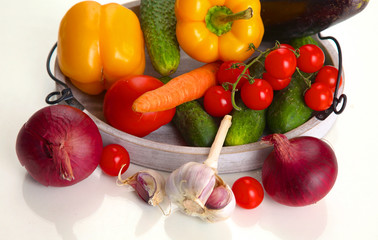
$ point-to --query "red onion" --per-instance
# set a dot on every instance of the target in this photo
(59, 145)
(299, 171)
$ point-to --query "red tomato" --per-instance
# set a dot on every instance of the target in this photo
(119, 99)
(311, 58)
(281, 63)
(277, 84)
(328, 75)
(228, 74)
(288, 46)
(257, 96)
(318, 97)
(248, 192)
(113, 157)
(217, 101)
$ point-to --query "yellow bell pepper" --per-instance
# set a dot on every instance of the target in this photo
(98, 44)
(210, 30)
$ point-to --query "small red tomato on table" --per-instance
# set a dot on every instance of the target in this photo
(114, 158)
(248, 192)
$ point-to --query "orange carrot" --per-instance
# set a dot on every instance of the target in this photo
(184, 88)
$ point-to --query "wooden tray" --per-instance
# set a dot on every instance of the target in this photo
(165, 149)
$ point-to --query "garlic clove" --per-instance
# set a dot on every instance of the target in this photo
(149, 185)
(215, 212)
(219, 198)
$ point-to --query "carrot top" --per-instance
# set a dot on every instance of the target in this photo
(184, 88)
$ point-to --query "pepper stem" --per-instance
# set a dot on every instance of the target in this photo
(219, 19)
(246, 14)
(216, 147)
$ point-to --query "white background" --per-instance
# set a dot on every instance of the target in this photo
(98, 209)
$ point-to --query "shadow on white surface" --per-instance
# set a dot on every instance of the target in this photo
(287, 223)
(293, 223)
(150, 216)
(68, 206)
(183, 227)
(63, 206)
(247, 218)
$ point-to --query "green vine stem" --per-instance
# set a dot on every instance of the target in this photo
(306, 79)
(243, 73)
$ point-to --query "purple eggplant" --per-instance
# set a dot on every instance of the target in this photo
(285, 19)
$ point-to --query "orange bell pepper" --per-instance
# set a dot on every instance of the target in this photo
(98, 44)
(210, 30)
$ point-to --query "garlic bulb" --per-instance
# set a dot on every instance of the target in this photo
(197, 189)
(149, 185)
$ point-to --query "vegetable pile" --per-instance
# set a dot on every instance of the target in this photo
(101, 48)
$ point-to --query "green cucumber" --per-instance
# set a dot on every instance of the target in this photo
(195, 125)
(288, 109)
(247, 126)
(158, 23)
(298, 42)
(257, 69)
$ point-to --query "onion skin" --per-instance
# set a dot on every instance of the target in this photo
(59, 146)
(300, 171)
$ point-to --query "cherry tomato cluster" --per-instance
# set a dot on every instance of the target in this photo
(319, 96)
(280, 64)
(218, 99)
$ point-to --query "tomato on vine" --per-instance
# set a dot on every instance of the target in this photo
(277, 84)
(248, 192)
(217, 101)
(288, 46)
(281, 63)
(328, 75)
(258, 95)
(229, 72)
(113, 158)
(319, 97)
(311, 58)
